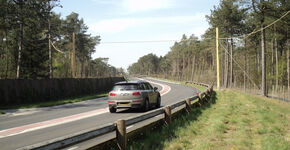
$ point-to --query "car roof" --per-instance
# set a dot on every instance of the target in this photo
(131, 82)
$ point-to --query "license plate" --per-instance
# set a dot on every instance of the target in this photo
(124, 104)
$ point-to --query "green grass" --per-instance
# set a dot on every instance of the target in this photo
(2, 112)
(55, 103)
(236, 121)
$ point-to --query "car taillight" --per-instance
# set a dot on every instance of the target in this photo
(113, 94)
(136, 93)
(136, 101)
(111, 101)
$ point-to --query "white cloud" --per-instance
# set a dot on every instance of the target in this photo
(113, 25)
(146, 5)
(133, 6)
(121, 24)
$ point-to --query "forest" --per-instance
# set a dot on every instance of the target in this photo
(37, 43)
(253, 49)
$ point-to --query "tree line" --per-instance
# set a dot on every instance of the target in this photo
(254, 48)
(35, 43)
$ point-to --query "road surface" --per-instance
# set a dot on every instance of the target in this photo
(27, 127)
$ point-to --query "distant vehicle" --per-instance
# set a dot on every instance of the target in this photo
(133, 94)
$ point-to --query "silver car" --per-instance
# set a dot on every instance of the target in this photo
(133, 94)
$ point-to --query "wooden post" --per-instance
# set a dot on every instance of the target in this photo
(167, 111)
(199, 99)
(207, 95)
(188, 105)
(121, 134)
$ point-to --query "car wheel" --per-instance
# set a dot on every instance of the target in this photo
(146, 105)
(112, 109)
(158, 103)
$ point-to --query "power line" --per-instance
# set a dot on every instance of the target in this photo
(174, 40)
(240, 67)
(150, 41)
(268, 25)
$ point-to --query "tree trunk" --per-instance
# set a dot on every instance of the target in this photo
(183, 67)
(178, 68)
(272, 61)
(73, 69)
(226, 65)
(7, 56)
(245, 64)
(192, 71)
(82, 68)
(288, 68)
(49, 48)
(232, 71)
(20, 48)
(263, 59)
(277, 64)
(20, 44)
(188, 68)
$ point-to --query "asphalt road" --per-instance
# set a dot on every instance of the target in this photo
(95, 112)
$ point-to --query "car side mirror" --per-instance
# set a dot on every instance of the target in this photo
(155, 88)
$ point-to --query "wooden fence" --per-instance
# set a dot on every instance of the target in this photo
(19, 91)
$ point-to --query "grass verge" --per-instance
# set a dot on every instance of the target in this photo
(236, 121)
(2, 112)
(56, 102)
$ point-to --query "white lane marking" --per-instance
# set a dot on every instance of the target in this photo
(24, 113)
(163, 86)
(50, 123)
(164, 80)
(129, 127)
(73, 148)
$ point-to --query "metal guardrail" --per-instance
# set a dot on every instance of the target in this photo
(120, 125)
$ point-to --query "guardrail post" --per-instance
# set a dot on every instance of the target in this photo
(121, 134)
(167, 111)
(200, 99)
(207, 95)
(188, 105)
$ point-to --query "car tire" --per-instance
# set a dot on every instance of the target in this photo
(112, 109)
(158, 103)
(146, 105)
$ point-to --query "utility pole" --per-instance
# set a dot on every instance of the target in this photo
(217, 59)
(73, 56)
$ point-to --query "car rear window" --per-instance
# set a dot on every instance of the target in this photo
(125, 87)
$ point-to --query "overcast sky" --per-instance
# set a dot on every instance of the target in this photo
(139, 20)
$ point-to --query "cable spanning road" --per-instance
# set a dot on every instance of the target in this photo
(27, 127)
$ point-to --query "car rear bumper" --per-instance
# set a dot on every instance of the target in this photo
(136, 103)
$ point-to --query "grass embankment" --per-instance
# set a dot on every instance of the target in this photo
(236, 121)
(54, 103)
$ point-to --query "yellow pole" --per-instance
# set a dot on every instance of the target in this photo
(217, 59)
